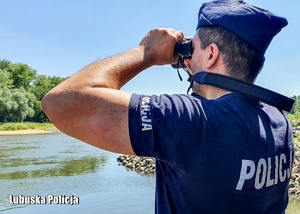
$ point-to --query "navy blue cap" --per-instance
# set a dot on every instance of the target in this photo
(255, 25)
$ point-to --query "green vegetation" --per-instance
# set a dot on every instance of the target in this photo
(26, 126)
(21, 92)
(294, 116)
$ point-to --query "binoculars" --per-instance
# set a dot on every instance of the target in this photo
(184, 50)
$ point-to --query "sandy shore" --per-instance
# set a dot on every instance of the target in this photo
(24, 132)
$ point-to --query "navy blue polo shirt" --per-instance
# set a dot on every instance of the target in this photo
(230, 155)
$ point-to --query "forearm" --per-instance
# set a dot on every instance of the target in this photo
(112, 72)
(155, 49)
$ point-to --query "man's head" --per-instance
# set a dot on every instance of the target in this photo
(241, 34)
(241, 60)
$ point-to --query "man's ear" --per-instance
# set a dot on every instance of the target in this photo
(212, 55)
(187, 63)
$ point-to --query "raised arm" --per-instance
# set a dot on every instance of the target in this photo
(90, 106)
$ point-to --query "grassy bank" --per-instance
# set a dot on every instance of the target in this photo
(26, 126)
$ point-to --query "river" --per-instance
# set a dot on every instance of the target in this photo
(58, 168)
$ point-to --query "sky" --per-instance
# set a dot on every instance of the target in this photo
(60, 37)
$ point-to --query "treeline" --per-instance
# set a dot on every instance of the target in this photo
(21, 92)
(294, 115)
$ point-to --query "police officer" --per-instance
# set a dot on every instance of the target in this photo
(216, 151)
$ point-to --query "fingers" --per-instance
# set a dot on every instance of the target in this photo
(188, 38)
(177, 33)
(159, 45)
(163, 33)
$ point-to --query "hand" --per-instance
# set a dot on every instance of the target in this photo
(158, 45)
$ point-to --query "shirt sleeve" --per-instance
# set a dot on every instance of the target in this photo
(160, 125)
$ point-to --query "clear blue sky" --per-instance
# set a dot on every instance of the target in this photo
(59, 37)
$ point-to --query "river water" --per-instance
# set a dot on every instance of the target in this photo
(59, 168)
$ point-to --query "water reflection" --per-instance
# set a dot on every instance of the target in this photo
(28, 157)
(54, 168)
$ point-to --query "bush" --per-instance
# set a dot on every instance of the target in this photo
(25, 126)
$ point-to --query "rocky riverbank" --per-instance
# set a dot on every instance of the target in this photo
(142, 165)
(295, 179)
(146, 165)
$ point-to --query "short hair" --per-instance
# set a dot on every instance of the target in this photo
(241, 59)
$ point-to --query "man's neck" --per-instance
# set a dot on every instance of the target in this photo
(209, 92)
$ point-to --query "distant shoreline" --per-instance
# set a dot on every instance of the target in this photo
(26, 132)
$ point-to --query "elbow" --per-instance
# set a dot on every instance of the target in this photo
(47, 105)
(50, 107)
(59, 109)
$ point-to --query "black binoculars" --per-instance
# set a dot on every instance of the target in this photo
(184, 50)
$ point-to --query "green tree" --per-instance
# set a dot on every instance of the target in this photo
(40, 86)
(39, 116)
(25, 107)
(6, 104)
(22, 91)
(5, 81)
(4, 64)
(21, 75)
(16, 105)
(294, 115)
(296, 107)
